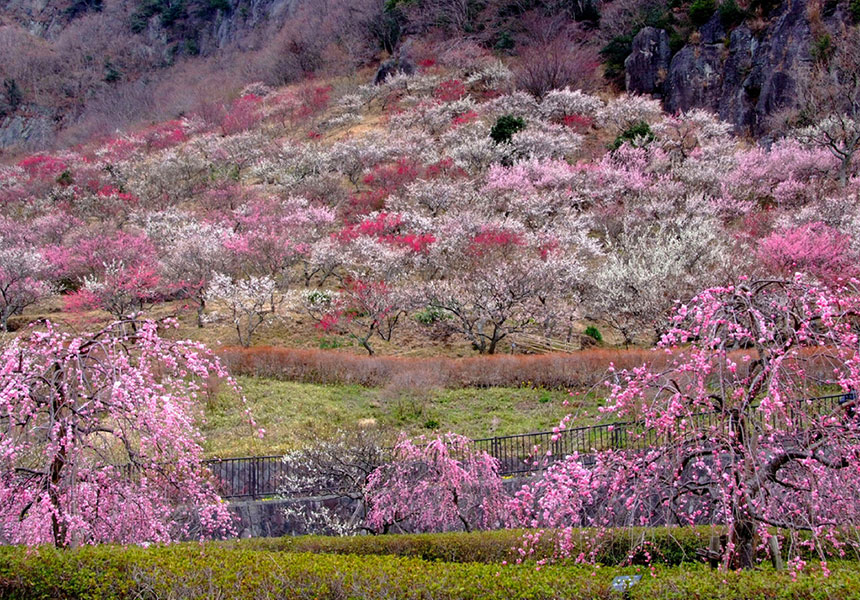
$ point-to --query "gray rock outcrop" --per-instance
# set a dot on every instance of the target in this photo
(743, 76)
(648, 64)
(25, 132)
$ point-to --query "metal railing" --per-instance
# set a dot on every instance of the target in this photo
(248, 476)
(260, 476)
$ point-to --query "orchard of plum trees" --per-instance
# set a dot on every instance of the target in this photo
(488, 212)
(425, 212)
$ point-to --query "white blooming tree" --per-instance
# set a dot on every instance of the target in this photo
(249, 302)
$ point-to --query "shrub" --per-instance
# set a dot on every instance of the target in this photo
(576, 370)
(431, 315)
(505, 42)
(593, 332)
(667, 545)
(279, 569)
(854, 9)
(505, 127)
(638, 134)
(701, 11)
(822, 48)
(732, 15)
(614, 54)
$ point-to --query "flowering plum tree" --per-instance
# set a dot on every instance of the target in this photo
(813, 248)
(501, 282)
(251, 301)
(22, 280)
(87, 252)
(338, 466)
(99, 442)
(363, 308)
(648, 269)
(434, 485)
(242, 115)
(123, 291)
(271, 236)
(727, 433)
(197, 252)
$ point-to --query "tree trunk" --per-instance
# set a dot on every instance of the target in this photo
(775, 554)
(844, 167)
(201, 306)
(59, 528)
(743, 536)
(494, 341)
(242, 340)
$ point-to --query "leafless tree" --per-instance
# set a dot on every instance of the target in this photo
(829, 98)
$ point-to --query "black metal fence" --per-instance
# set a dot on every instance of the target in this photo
(260, 476)
(249, 476)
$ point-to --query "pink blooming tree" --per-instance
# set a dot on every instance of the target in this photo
(22, 280)
(363, 309)
(89, 252)
(436, 485)
(99, 438)
(727, 434)
(813, 248)
(123, 291)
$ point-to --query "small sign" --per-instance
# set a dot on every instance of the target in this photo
(622, 583)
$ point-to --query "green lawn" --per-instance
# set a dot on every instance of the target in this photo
(293, 413)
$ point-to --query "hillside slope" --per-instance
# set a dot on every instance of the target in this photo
(82, 68)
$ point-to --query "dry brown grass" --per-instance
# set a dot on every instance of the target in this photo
(577, 370)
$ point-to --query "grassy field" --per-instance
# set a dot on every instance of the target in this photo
(293, 413)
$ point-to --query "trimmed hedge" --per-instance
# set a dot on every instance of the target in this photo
(211, 571)
(666, 545)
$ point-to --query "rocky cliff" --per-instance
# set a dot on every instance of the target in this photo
(745, 74)
(151, 41)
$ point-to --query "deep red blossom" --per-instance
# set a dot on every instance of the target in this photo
(465, 118)
(242, 115)
(164, 135)
(450, 90)
(42, 165)
(577, 122)
(491, 237)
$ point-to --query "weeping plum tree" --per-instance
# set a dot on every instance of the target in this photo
(98, 441)
(436, 485)
(727, 434)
